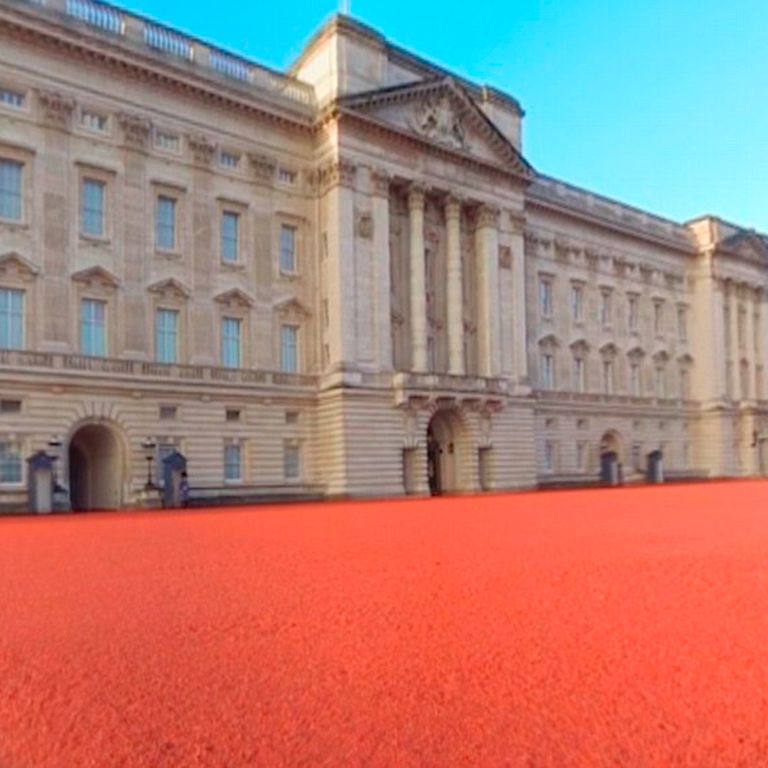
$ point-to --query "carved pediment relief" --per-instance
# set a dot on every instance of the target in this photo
(13, 264)
(96, 277)
(234, 297)
(170, 289)
(440, 112)
(292, 308)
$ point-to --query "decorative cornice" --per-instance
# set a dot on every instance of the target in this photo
(57, 108)
(136, 130)
(202, 149)
(234, 297)
(170, 287)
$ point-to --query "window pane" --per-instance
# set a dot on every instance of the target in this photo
(291, 462)
(11, 319)
(166, 335)
(229, 236)
(92, 208)
(93, 337)
(165, 223)
(230, 342)
(10, 190)
(289, 361)
(232, 465)
(287, 249)
(10, 463)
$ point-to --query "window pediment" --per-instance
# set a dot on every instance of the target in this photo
(13, 264)
(661, 356)
(636, 353)
(609, 350)
(292, 308)
(580, 346)
(685, 359)
(96, 277)
(549, 341)
(170, 289)
(234, 298)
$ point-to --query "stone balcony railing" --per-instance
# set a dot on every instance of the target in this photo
(599, 397)
(51, 362)
(444, 385)
(157, 40)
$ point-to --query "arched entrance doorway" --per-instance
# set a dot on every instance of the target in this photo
(96, 468)
(610, 459)
(444, 453)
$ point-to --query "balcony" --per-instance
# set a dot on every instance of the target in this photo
(135, 32)
(591, 398)
(442, 386)
(57, 364)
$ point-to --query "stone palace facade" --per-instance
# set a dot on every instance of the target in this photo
(341, 281)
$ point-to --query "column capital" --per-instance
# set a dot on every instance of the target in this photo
(380, 181)
(453, 203)
(487, 215)
(57, 107)
(416, 196)
(339, 172)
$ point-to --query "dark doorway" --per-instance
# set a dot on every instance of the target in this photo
(96, 468)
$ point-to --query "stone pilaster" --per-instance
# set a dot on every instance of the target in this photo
(337, 181)
(454, 288)
(382, 277)
(749, 343)
(489, 321)
(519, 339)
(733, 332)
(417, 280)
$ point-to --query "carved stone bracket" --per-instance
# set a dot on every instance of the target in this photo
(202, 149)
(364, 225)
(136, 130)
(505, 257)
(380, 181)
(57, 108)
(263, 167)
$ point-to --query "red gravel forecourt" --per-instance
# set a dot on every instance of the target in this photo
(622, 627)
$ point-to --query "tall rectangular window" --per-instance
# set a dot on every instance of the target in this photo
(93, 195)
(230, 236)
(658, 318)
(608, 377)
(578, 374)
(577, 303)
(287, 249)
(165, 223)
(291, 462)
(550, 456)
(661, 381)
(685, 384)
(742, 327)
(632, 313)
(545, 297)
(11, 319)
(634, 379)
(233, 463)
(606, 308)
(10, 190)
(166, 335)
(10, 463)
(682, 324)
(547, 371)
(93, 327)
(289, 351)
(230, 342)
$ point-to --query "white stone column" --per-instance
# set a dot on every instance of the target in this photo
(418, 280)
(734, 343)
(520, 338)
(454, 288)
(381, 257)
(749, 342)
(489, 321)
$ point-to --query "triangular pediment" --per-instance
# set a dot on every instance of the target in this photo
(749, 245)
(234, 297)
(15, 262)
(170, 287)
(440, 112)
(292, 307)
(96, 276)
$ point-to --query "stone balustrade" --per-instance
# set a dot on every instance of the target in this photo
(29, 361)
(160, 40)
(598, 397)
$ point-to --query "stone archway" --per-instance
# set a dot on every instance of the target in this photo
(446, 448)
(96, 468)
(611, 458)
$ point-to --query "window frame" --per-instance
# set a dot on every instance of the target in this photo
(230, 446)
(237, 322)
(13, 291)
(104, 303)
(285, 226)
(176, 313)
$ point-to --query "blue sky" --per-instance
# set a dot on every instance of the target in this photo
(658, 103)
